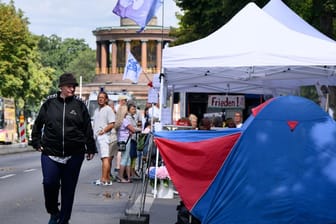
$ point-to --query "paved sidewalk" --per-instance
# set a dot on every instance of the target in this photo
(163, 211)
(15, 148)
(160, 210)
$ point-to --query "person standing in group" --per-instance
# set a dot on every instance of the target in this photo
(205, 124)
(122, 101)
(238, 119)
(154, 111)
(229, 123)
(217, 122)
(111, 104)
(126, 130)
(103, 123)
(133, 117)
(145, 118)
(193, 121)
(120, 115)
(62, 132)
(114, 140)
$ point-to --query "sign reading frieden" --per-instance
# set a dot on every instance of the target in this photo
(226, 101)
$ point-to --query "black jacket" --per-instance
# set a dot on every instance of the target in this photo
(63, 127)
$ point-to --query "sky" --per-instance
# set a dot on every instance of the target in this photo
(78, 18)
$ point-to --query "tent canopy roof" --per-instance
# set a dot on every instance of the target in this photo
(282, 13)
(252, 53)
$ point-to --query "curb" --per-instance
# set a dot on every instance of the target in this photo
(15, 148)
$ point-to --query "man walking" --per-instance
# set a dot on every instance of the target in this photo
(62, 132)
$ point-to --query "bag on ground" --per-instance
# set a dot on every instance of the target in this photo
(184, 216)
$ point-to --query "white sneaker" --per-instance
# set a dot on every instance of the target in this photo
(97, 182)
(107, 183)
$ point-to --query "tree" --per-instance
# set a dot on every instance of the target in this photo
(39, 83)
(202, 17)
(63, 55)
(319, 13)
(323, 16)
(19, 59)
(49, 48)
(84, 65)
(15, 46)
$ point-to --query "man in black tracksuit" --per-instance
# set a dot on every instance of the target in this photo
(62, 132)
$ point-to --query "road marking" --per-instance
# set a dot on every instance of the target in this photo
(7, 176)
(29, 170)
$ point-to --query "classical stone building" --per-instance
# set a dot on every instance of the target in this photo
(113, 43)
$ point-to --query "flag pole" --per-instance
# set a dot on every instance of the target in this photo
(160, 108)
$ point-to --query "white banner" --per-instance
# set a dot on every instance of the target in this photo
(153, 96)
(229, 101)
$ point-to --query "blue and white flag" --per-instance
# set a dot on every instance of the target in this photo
(140, 11)
(132, 69)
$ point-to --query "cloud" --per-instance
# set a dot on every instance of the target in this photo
(78, 18)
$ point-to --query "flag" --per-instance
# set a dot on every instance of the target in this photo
(193, 158)
(140, 11)
(132, 69)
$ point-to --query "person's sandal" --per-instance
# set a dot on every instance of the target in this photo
(118, 179)
(123, 181)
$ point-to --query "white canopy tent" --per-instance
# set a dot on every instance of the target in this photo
(252, 53)
(282, 13)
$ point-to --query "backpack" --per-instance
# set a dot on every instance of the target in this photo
(141, 141)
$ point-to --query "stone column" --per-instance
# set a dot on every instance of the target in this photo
(144, 55)
(104, 58)
(114, 57)
(98, 57)
(158, 56)
(128, 47)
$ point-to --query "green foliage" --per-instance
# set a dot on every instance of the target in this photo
(20, 69)
(301, 7)
(84, 65)
(39, 83)
(68, 55)
(310, 93)
(14, 45)
(49, 48)
(319, 13)
(200, 18)
(30, 65)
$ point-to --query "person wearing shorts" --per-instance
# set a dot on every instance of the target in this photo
(103, 123)
(124, 135)
(113, 138)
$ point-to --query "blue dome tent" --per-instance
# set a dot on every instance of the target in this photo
(278, 168)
